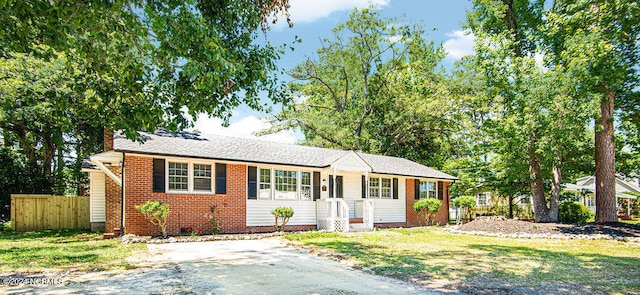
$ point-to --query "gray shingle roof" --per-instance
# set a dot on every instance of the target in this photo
(217, 147)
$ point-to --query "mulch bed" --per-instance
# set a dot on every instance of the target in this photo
(501, 225)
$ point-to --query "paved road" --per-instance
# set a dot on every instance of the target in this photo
(230, 267)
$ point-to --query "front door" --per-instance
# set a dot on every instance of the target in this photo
(339, 189)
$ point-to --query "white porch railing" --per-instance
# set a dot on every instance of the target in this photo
(332, 214)
(367, 213)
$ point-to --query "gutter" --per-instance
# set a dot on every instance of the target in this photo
(122, 196)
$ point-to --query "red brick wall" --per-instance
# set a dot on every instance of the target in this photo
(113, 201)
(186, 210)
(412, 217)
(107, 139)
(441, 218)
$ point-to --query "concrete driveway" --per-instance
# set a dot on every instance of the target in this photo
(230, 267)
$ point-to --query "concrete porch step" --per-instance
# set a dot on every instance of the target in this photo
(358, 227)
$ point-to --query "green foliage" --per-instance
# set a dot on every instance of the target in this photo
(282, 216)
(574, 212)
(428, 208)
(464, 205)
(375, 86)
(156, 213)
(68, 71)
(464, 201)
(214, 219)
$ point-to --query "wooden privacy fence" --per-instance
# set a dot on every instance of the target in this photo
(38, 212)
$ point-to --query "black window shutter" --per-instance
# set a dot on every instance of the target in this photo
(395, 188)
(221, 179)
(417, 189)
(339, 189)
(330, 186)
(158, 175)
(316, 185)
(252, 183)
(440, 190)
(364, 187)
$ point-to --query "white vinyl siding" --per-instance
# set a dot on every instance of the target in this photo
(391, 210)
(259, 212)
(97, 194)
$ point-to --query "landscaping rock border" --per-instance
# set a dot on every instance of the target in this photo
(132, 239)
(519, 235)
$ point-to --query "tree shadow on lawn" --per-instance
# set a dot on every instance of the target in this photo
(491, 269)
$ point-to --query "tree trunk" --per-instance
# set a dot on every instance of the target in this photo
(556, 187)
(510, 199)
(540, 208)
(605, 163)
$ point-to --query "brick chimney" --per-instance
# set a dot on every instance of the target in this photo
(108, 139)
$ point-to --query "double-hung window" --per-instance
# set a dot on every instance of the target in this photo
(482, 199)
(427, 189)
(178, 176)
(305, 186)
(286, 185)
(374, 188)
(188, 177)
(431, 187)
(202, 177)
(264, 192)
(385, 188)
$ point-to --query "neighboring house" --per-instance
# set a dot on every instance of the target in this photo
(328, 189)
(485, 201)
(586, 186)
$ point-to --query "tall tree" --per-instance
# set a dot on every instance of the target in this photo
(163, 57)
(375, 87)
(596, 41)
(535, 124)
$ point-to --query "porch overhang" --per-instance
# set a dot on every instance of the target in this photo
(111, 157)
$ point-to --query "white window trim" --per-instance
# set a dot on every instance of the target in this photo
(190, 190)
(379, 187)
(428, 190)
(273, 169)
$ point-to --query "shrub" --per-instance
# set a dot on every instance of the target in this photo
(465, 203)
(215, 223)
(573, 212)
(283, 214)
(428, 208)
(156, 213)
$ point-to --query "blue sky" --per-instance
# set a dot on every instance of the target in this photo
(314, 19)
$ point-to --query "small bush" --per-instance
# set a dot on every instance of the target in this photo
(573, 212)
(156, 213)
(428, 208)
(282, 214)
(465, 204)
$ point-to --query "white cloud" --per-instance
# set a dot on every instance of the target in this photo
(245, 127)
(306, 11)
(459, 44)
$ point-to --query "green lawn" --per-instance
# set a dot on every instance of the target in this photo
(432, 253)
(62, 250)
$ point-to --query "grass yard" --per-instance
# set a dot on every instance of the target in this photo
(62, 250)
(422, 254)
